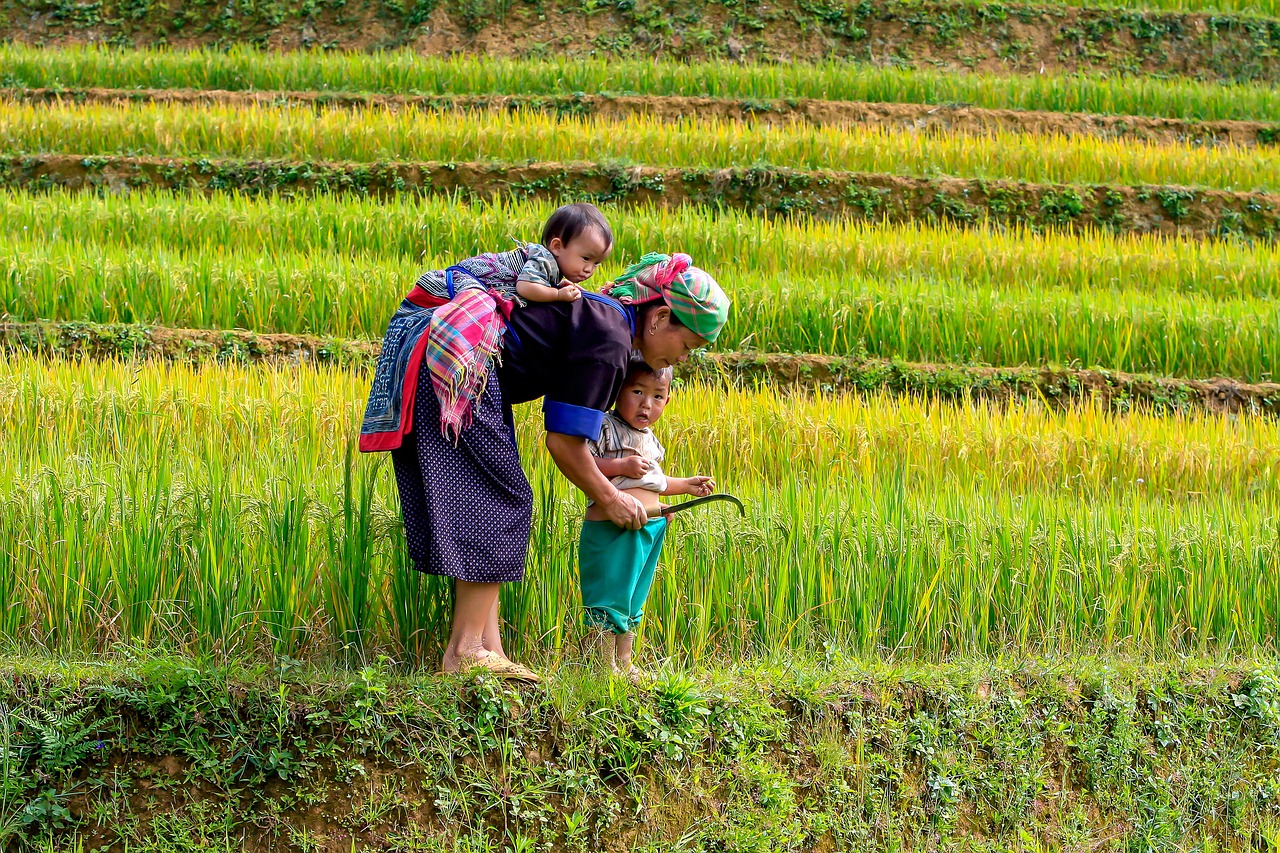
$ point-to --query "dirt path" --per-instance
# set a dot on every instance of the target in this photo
(926, 118)
(769, 192)
(822, 374)
(959, 35)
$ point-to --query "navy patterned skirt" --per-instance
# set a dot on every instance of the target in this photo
(467, 509)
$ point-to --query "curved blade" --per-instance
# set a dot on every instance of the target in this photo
(681, 507)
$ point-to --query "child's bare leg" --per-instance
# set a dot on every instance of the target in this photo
(606, 647)
(626, 644)
(624, 665)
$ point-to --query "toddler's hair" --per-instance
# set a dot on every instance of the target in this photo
(638, 367)
(572, 219)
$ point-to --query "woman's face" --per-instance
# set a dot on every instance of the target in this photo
(664, 343)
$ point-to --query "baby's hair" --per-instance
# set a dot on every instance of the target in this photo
(572, 219)
(638, 367)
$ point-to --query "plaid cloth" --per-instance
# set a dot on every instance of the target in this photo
(463, 338)
(693, 296)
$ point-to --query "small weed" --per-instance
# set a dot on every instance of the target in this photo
(1176, 202)
(1061, 207)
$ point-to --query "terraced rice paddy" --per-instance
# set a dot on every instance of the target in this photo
(378, 135)
(331, 267)
(890, 519)
(404, 72)
(998, 390)
(973, 528)
(162, 130)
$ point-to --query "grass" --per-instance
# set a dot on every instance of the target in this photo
(145, 750)
(893, 524)
(379, 134)
(1269, 8)
(240, 68)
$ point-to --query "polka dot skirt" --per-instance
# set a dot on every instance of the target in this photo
(467, 509)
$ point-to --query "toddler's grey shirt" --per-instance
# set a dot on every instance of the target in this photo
(618, 439)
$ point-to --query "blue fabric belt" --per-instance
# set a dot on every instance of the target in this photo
(568, 419)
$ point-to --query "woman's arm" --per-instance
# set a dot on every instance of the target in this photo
(577, 464)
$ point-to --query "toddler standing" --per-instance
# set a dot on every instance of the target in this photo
(616, 566)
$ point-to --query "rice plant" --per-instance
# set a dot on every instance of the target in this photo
(240, 68)
(426, 230)
(873, 523)
(938, 316)
(379, 134)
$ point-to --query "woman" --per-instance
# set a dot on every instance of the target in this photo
(467, 505)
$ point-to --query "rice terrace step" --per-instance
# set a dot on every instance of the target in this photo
(765, 754)
(892, 198)
(926, 118)
(1112, 390)
(959, 36)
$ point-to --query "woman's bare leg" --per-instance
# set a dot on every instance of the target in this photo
(493, 631)
(474, 605)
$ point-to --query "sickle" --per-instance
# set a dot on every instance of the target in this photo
(681, 507)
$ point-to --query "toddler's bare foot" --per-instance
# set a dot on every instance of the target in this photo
(633, 673)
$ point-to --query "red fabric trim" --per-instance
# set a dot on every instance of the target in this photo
(410, 389)
(378, 441)
(422, 299)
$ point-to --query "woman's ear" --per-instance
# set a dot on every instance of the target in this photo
(659, 318)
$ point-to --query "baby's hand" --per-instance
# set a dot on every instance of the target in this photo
(569, 293)
(635, 467)
(701, 486)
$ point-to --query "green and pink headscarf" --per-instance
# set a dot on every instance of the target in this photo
(693, 296)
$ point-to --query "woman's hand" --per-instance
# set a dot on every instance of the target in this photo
(625, 510)
(575, 462)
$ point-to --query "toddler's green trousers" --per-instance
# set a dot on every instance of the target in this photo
(616, 568)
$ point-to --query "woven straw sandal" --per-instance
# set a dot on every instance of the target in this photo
(501, 667)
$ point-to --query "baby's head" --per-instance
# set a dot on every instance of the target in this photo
(644, 394)
(580, 238)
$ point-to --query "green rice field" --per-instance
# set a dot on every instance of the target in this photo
(330, 267)
(1057, 511)
(985, 529)
(947, 621)
(889, 520)
(404, 72)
